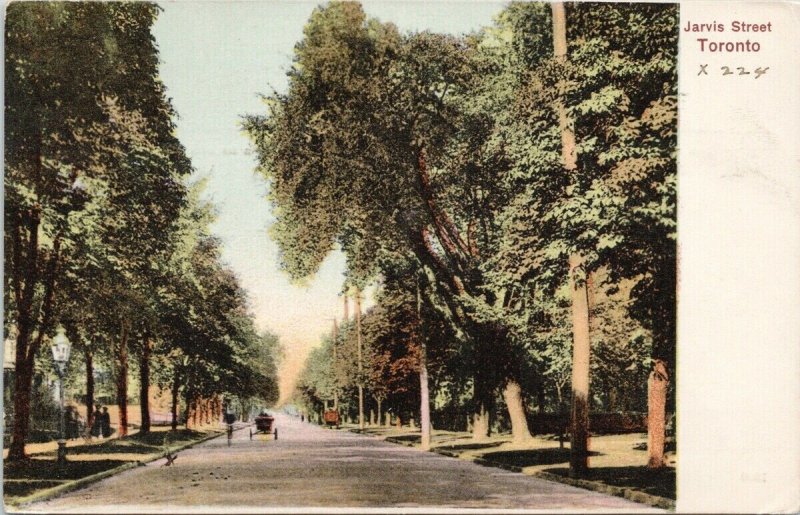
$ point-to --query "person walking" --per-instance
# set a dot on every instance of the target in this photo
(97, 417)
(105, 423)
(71, 423)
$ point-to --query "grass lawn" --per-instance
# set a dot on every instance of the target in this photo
(41, 471)
(615, 460)
(660, 482)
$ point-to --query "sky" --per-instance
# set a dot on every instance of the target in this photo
(216, 58)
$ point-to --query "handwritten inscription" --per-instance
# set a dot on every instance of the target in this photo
(738, 70)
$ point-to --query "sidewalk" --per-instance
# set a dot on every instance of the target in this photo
(41, 477)
(617, 462)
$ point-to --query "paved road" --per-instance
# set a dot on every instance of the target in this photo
(313, 467)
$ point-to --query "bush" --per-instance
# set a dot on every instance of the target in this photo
(599, 423)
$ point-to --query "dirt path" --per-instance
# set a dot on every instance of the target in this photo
(313, 467)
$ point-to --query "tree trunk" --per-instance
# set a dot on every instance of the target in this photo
(656, 413)
(379, 401)
(581, 351)
(25, 278)
(559, 395)
(425, 404)
(187, 411)
(89, 358)
(144, 386)
(480, 423)
(122, 379)
(568, 147)
(512, 394)
(540, 399)
(360, 407)
(23, 380)
(482, 398)
(424, 391)
(176, 385)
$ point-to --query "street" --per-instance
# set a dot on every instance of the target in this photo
(312, 467)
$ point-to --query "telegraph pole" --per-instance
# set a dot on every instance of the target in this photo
(335, 386)
(357, 301)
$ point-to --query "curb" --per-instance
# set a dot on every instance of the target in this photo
(626, 493)
(76, 484)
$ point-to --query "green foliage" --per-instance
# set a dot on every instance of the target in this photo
(445, 153)
(102, 233)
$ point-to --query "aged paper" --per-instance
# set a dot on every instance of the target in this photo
(225, 67)
(739, 143)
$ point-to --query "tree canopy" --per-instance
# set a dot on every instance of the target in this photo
(445, 153)
(104, 232)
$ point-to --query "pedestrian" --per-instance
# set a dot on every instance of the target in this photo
(302, 417)
(97, 417)
(71, 423)
(105, 423)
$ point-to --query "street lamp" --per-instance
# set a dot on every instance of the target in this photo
(61, 348)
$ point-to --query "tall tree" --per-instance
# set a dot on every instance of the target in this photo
(581, 343)
(369, 168)
(70, 70)
(618, 213)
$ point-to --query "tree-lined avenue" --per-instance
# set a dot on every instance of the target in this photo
(313, 467)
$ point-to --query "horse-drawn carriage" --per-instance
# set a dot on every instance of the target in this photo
(265, 425)
(331, 418)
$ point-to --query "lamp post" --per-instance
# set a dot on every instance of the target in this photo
(61, 347)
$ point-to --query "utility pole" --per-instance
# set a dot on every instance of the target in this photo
(335, 386)
(357, 301)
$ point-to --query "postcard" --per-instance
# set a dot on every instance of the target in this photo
(401, 257)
